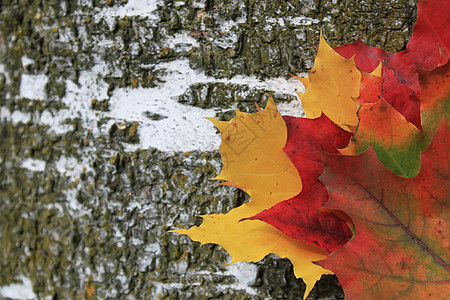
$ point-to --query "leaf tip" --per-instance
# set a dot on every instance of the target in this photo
(214, 121)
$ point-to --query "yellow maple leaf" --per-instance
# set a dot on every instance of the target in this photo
(254, 160)
(252, 240)
(305, 80)
(253, 157)
(333, 84)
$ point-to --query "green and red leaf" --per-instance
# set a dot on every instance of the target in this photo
(396, 141)
(435, 101)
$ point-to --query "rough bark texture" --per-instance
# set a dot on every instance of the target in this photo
(84, 216)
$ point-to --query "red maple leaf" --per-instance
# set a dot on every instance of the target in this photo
(401, 247)
(429, 45)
